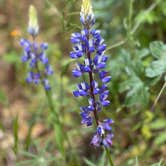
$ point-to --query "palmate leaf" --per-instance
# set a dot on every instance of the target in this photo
(134, 84)
(142, 53)
(138, 93)
(157, 49)
(158, 66)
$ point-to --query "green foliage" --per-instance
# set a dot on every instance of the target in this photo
(134, 32)
(158, 66)
(158, 124)
(137, 90)
(41, 158)
(161, 138)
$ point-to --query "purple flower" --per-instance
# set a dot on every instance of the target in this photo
(103, 135)
(35, 55)
(86, 116)
(89, 52)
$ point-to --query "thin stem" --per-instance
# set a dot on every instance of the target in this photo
(55, 121)
(51, 105)
(158, 97)
(109, 156)
(130, 15)
(120, 43)
(48, 93)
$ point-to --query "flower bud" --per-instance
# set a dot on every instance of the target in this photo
(87, 16)
(33, 27)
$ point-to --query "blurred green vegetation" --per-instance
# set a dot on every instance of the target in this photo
(135, 32)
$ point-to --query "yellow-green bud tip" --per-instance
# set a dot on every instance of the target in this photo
(33, 27)
(86, 8)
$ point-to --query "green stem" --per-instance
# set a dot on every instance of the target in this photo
(130, 15)
(56, 123)
(120, 43)
(51, 105)
(109, 157)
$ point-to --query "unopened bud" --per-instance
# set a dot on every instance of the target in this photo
(33, 27)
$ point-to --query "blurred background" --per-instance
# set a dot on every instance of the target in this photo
(135, 32)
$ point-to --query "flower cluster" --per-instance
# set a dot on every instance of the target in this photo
(35, 54)
(89, 50)
(103, 135)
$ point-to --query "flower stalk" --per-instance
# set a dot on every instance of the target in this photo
(39, 70)
(89, 51)
(109, 156)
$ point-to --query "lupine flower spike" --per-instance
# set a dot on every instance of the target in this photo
(89, 50)
(35, 54)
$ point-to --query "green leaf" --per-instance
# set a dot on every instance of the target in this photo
(137, 92)
(157, 68)
(157, 49)
(158, 124)
(161, 138)
(59, 137)
(65, 67)
(142, 53)
(28, 138)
